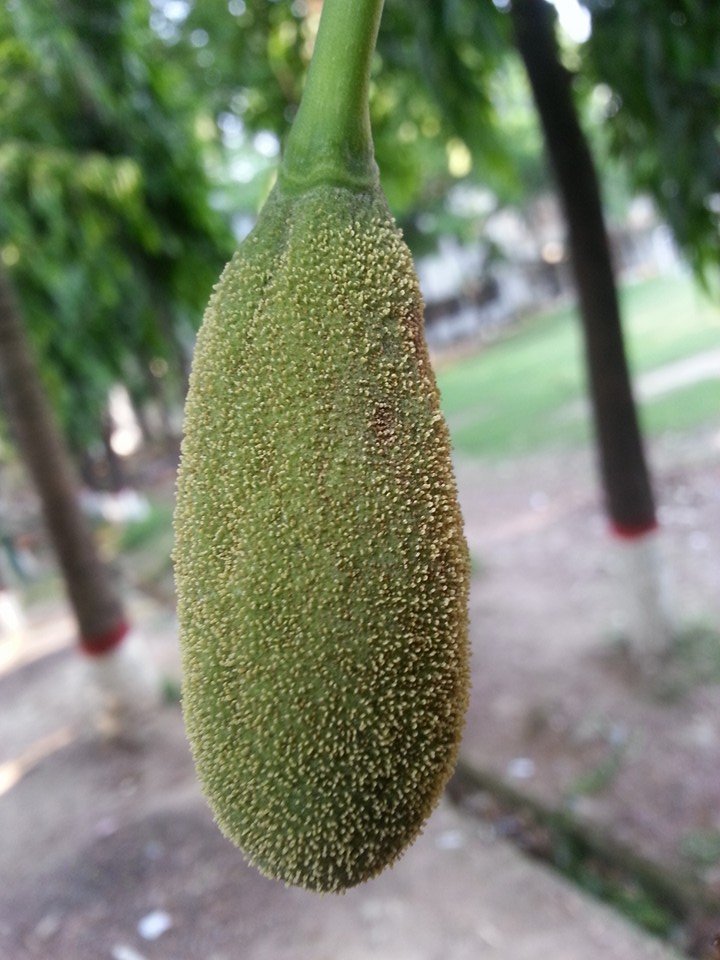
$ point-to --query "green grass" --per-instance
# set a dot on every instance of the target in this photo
(702, 847)
(138, 533)
(144, 547)
(683, 409)
(525, 392)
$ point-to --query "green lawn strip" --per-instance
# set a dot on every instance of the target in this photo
(520, 393)
(682, 408)
(143, 549)
(668, 319)
(137, 534)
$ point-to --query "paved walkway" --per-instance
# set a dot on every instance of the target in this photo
(680, 373)
(458, 894)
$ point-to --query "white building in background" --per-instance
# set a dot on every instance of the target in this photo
(523, 265)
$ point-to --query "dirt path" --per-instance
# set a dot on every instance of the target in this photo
(107, 846)
(95, 838)
(555, 709)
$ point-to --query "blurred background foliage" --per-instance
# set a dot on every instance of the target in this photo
(138, 140)
(659, 62)
(106, 219)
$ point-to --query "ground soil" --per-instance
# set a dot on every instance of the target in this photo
(558, 707)
(98, 834)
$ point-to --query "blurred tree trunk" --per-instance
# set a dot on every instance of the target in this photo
(114, 466)
(177, 348)
(89, 581)
(138, 405)
(158, 391)
(625, 475)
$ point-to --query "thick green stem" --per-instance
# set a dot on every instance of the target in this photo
(331, 140)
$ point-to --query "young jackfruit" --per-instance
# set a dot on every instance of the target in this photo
(321, 567)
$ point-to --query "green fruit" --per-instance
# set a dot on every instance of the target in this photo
(321, 568)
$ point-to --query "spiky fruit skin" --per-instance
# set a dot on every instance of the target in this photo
(321, 567)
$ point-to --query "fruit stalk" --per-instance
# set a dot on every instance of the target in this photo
(331, 141)
(321, 567)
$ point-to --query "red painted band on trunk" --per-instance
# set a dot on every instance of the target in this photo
(103, 643)
(629, 531)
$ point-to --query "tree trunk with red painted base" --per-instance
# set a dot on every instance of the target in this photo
(90, 583)
(625, 476)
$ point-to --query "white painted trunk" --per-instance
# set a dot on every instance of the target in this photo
(646, 614)
(126, 685)
(12, 619)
